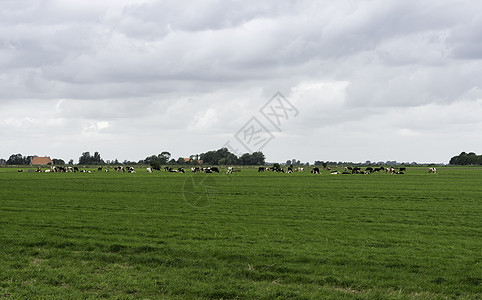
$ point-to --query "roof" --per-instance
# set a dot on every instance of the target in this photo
(41, 161)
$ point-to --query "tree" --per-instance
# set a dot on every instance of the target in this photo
(164, 157)
(155, 165)
(58, 161)
(87, 159)
(466, 159)
(18, 159)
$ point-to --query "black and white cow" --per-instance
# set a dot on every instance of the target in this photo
(315, 170)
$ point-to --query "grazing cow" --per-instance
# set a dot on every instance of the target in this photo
(181, 170)
(106, 170)
(348, 169)
(76, 169)
(130, 170)
(21, 170)
(315, 170)
(369, 170)
(215, 169)
(167, 169)
(39, 169)
(149, 170)
(334, 172)
(300, 169)
(99, 169)
(195, 169)
(230, 170)
(402, 169)
(356, 170)
(290, 170)
(390, 170)
(261, 169)
(432, 170)
(377, 169)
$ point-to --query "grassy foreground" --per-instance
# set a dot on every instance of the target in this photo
(244, 235)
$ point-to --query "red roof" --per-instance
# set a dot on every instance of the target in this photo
(41, 161)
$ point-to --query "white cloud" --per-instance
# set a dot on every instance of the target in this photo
(175, 76)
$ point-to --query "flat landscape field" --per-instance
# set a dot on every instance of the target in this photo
(246, 235)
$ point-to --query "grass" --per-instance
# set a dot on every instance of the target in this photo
(244, 235)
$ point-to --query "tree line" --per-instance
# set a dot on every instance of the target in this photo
(466, 159)
(216, 157)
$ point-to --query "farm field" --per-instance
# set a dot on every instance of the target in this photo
(245, 235)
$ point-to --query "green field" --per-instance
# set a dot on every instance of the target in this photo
(247, 235)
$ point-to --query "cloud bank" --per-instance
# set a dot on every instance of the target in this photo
(372, 80)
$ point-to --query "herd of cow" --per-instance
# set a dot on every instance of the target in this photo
(347, 170)
(314, 170)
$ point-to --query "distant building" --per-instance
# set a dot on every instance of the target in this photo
(41, 161)
(3, 161)
(190, 160)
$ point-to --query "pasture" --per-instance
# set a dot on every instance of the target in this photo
(246, 235)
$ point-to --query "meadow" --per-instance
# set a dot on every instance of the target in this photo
(246, 235)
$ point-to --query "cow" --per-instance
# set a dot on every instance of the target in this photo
(21, 170)
(300, 169)
(356, 170)
(290, 170)
(403, 169)
(230, 170)
(368, 170)
(130, 170)
(171, 170)
(390, 170)
(99, 169)
(334, 172)
(315, 170)
(261, 169)
(181, 170)
(195, 169)
(149, 170)
(76, 169)
(348, 169)
(106, 170)
(432, 170)
(215, 169)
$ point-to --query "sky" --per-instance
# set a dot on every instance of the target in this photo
(308, 80)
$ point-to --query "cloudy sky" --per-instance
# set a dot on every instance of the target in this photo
(358, 80)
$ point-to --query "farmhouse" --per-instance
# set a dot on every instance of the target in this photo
(190, 160)
(41, 161)
(3, 161)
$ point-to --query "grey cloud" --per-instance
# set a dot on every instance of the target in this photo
(201, 69)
